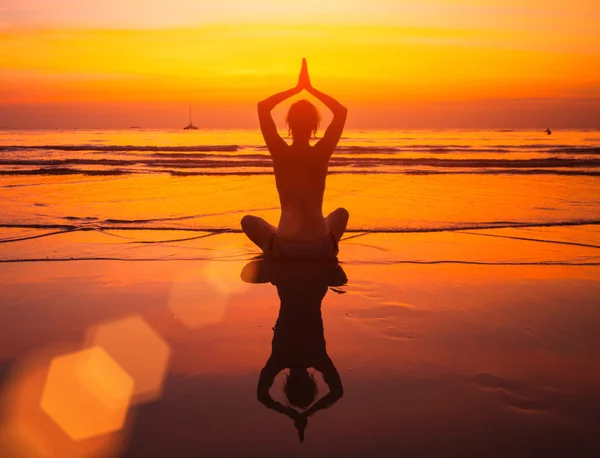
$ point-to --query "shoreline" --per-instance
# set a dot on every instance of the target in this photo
(533, 245)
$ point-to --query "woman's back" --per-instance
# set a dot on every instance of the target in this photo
(300, 170)
(300, 175)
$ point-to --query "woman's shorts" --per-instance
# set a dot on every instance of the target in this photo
(325, 248)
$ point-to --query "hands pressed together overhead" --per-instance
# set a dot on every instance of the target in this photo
(304, 78)
(269, 130)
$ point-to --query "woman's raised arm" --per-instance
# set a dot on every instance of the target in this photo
(267, 125)
(334, 131)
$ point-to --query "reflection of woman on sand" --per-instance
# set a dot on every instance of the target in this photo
(300, 174)
(298, 340)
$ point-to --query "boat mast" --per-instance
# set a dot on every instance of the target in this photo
(190, 112)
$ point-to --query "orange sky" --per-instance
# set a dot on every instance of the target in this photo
(426, 63)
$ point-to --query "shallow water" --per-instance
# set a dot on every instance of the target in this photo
(388, 180)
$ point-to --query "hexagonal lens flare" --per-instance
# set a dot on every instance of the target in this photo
(139, 350)
(200, 297)
(87, 393)
(26, 431)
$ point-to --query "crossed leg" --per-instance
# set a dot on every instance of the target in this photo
(337, 221)
(258, 230)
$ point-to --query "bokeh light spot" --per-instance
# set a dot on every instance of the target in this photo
(200, 297)
(139, 350)
(28, 432)
(87, 393)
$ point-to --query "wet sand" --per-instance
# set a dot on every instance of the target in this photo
(464, 343)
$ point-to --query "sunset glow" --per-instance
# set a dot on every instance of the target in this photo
(393, 63)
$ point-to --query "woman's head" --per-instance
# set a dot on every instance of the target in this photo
(303, 119)
(300, 388)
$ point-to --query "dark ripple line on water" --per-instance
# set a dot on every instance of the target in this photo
(39, 236)
(562, 148)
(265, 161)
(193, 148)
(448, 228)
(228, 173)
(363, 262)
(530, 239)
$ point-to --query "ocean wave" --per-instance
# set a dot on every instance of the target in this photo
(221, 172)
(548, 162)
(553, 148)
(591, 173)
(107, 148)
(345, 149)
(265, 161)
(65, 171)
(351, 149)
(576, 149)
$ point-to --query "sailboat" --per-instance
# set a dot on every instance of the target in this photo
(190, 126)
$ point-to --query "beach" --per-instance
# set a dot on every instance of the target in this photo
(467, 325)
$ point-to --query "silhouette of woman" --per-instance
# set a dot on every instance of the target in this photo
(298, 340)
(300, 175)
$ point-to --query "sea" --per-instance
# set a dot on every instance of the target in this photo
(389, 180)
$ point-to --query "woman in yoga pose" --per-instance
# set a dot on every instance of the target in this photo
(300, 174)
